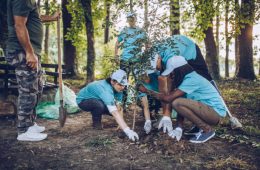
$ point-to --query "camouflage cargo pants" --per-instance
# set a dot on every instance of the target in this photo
(29, 87)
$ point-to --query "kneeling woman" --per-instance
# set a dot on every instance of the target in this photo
(194, 98)
(99, 98)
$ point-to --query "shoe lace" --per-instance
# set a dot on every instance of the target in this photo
(198, 135)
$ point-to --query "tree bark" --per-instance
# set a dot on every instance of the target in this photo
(107, 22)
(175, 17)
(69, 50)
(3, 25)
(237, 58)
(146, 23)
(245, 65)
(46, 39)
(217, 27)
(227, 39)
(86, 4)
(211, 53)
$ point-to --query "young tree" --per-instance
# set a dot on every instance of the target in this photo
(86, 4)
(69, 50)
(245, 67)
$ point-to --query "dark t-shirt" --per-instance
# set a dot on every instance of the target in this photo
(24, 8)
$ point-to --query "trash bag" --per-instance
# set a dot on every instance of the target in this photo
(50, 110)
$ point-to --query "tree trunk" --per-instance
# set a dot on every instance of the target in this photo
(175, 17)
(245, 65)
(131, 5)
(86, 4)
(107, 21)
(46, 39)
(227, 39)
(146, 23)
(3, 25)
(237, 58)
(217, 26)
(69, 50)
(211, 53)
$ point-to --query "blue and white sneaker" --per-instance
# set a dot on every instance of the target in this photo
(202, 137)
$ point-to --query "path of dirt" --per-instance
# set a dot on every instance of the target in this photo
(77, 146)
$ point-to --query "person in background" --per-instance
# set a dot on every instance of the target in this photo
(99, 98)
(25, 36)
(132, 40)
(194, 98)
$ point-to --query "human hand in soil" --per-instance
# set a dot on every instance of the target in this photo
(132, 135)
(176, 133)
(147, 126)
(166, 123)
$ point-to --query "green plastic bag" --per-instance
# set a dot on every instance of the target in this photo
(50, 110)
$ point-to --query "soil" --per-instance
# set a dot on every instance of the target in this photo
(78, 146)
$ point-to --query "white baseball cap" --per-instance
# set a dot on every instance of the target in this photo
(120, 76)
(173, 63)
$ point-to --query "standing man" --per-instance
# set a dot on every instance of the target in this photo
(25, 36)
(133, 40)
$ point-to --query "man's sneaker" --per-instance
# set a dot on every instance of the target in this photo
(31, 136)
(36, 129)
(202, 137)
(193, 131)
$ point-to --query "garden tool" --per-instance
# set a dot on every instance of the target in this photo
(233, 120)
(62, 110)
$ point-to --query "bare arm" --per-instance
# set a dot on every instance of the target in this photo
(119, 119)
(24, 40)
(48, 18)
(163, 97)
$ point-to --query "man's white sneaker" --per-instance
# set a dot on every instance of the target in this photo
(31, 136)
(36, 129)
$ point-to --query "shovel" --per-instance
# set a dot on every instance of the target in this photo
(62, 110)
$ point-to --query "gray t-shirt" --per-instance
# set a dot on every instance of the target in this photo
(24, 8)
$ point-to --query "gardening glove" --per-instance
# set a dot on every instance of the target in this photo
(147, 126)
(166, 123)
(132, 135)
(176, 133)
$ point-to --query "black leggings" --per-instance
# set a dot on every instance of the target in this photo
(96, 107)
(199, 65)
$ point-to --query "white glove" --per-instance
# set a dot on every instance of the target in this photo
(132, 135)
(166, 123)
(147, 126)
(176, 133)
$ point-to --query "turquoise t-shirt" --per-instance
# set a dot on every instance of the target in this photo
(153, 85)
(101, 90)
(199, 89)
(132, 39)
(177, 45)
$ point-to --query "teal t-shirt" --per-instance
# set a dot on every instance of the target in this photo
(24, 8)
(132, 39)
(177, 45)
(199, 89)
(101, 90)
(153, 85)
